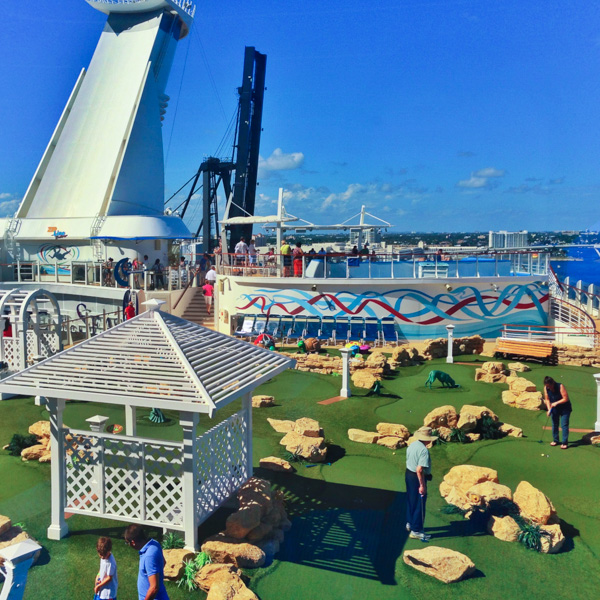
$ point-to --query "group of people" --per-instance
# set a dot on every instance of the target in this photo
(138, 267)
(150, 583)
(418, 459)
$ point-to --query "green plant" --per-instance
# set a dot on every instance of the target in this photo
(21, 526)
(293, 457)
(458, 436)
(19, 442)
(172, 541)
(452, 509)
(190, 570)
(531, 536)
(489, 429)
(440, 438)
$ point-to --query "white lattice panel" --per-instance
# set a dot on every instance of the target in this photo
(12, 354)
(48, 345)
(222, 463)
(117, 477)
(32, 349)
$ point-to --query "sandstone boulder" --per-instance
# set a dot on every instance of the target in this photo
(443, 416)
(223, 549)
(392, 442)
(404, 356)
(262, 401)
(364, 379)
(363, 437)
(273, 463)
(230, 587)
(256, 491)
(240, 523)
(174, 562)
(493, 367)
(504, 528)
(460, 479)
(478, 412)
(260, 532)
(481, 375)
(473, 437)
(308, 427)
(5, 524)
(488, 492)
(520, 385)
(377, 360)
(509, 398)
(511, 430)
(33, 452)
(533, 504)
(518, 367)
(46, 457)
(529, 401)
(595, 440)
(281, 426)
(309, 448)
(553, 542)
(467, 422)
(442, 563)
(444, 432)
(393, 429)
(41, 429)
(214, 572)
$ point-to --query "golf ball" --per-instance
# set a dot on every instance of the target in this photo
(543, 455)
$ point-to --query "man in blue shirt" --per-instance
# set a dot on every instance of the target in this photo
(418, 469)
(152, 564)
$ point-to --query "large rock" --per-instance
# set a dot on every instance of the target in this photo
(509, 398)
(518, 367)
(5, 524)
(533, 504)
(519, 385)
(309, 448)
(308, 427)
(553, 542)
(467, 422)
(443, 416)
(488, 492)
(33, 452)
(260, 532)
(213, 572)
(403, 356)
(240, 523)
(273, 463)
(365, 379)
(529, 401)
(504, 528)
(41, 429)
(481, 375)
(493, 367)
(256, 491)
(230, 588)
(460, 479)
(281, 426)
(391, 441)
(377, 360)
(442, 563)
(478, 412)
(393, 429)
(262, 401)
(174, 562)
(363, 437)
(511, 430)
(223, 549)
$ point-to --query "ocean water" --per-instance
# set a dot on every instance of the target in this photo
(588, 269)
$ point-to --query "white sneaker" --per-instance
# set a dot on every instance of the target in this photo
(420, 536)
(408, 527)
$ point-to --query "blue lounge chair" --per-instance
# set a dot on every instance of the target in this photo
(357, 329)
(327, 332)
(372, 332)
(260, 325)
(246, 330)
(389, 333)
(313, 327)
(272, 327)
(285, 327)
(296, 331)
(342, 330)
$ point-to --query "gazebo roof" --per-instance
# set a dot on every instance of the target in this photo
(153, 360)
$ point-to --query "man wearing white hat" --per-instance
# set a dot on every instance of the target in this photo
(418, 468)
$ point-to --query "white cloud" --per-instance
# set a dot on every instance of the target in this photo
(280, 161)
(489, 172)
(473, 182)
(8, 204)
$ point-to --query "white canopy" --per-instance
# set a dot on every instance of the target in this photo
(153, 360)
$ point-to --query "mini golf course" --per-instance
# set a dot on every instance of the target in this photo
(348, 518)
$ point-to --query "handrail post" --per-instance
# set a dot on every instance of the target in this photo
(55, 271)
(414, 266)
(72, 273)
(477, 265)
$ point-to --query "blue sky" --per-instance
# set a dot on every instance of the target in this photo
(439, 115)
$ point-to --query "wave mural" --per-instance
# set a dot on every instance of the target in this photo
(467, 307)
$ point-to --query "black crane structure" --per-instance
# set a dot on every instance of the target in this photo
(215, 172)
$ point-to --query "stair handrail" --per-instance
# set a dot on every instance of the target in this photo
(185, 289)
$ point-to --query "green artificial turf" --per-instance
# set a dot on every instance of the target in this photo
(348, 518)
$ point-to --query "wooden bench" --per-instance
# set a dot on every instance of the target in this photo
(525, 348)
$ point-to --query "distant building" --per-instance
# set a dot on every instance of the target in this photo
(508, 239)
(370, 236)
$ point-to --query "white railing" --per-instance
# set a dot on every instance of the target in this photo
(529, 333)
(185, 5)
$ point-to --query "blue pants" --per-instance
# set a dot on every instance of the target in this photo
(563, 420)
(415, 503)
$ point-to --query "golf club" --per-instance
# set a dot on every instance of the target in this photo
(544, 427)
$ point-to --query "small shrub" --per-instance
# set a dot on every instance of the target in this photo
(452, 509)
(19, 442)
(191, 568)
(531, 536)
(21, 526)
(489, 429)
(458, 436)
(440, 438)
(293, 457)
(172, 541)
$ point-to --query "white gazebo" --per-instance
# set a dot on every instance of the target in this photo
(35, 326)
(153, 360)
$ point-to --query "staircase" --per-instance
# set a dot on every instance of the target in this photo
(193, 308)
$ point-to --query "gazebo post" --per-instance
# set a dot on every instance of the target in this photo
(58, 526)
(189, 423)
(130, 420)
(247, 408)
